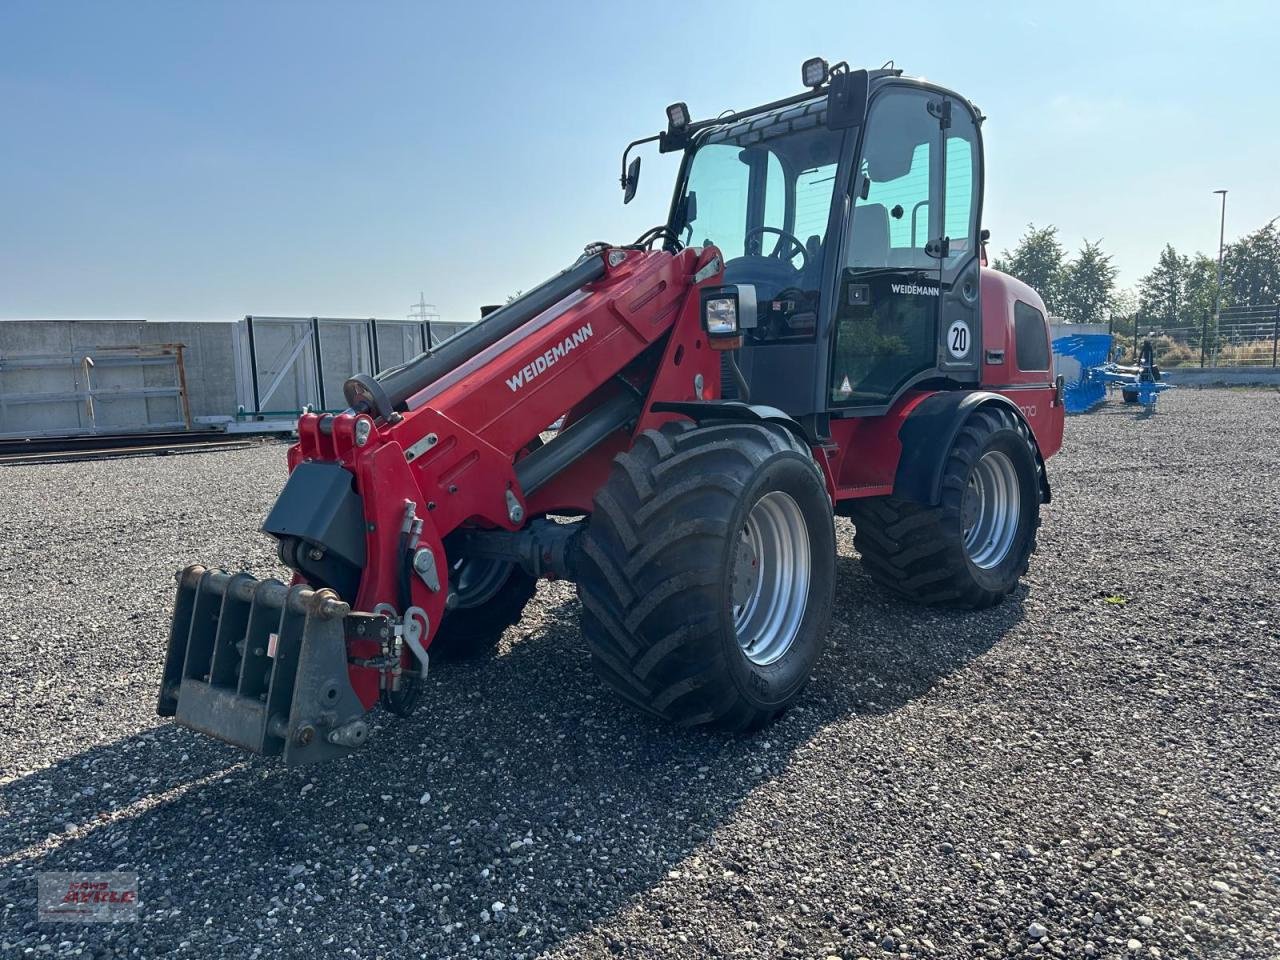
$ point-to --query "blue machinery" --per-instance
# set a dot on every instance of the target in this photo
(1081, 358)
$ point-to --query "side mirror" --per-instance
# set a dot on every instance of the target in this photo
(631, 181)
(847, 99)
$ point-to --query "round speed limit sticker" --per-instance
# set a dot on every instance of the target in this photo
(958, 339)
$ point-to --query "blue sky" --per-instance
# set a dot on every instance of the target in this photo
(182, 160)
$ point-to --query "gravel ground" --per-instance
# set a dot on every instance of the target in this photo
(1089, 769)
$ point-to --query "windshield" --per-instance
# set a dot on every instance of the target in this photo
(761, 192)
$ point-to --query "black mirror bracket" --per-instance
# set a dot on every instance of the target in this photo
(847, 99)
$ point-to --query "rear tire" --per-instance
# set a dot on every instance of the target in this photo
(1129, 396)
(707, 573)
(971, 549)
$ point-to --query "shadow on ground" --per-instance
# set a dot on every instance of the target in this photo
(525, 745)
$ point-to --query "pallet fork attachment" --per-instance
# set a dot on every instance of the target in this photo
(263, 665)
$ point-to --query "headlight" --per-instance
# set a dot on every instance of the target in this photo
(722, 317)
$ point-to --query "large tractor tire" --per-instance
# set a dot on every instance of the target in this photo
(971, 549)
(707, 573)
(491, 596)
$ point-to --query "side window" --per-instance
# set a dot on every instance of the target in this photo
(719, 182)
(813, 201)
(891, 224)
(906, 199)
(1032, 342)
(959, 221)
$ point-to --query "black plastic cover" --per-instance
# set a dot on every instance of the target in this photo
(319, 521)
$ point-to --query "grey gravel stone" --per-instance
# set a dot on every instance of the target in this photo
(1118, 718)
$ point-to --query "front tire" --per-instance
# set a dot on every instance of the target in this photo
(971, 549)
(492, 596)
(707, 573)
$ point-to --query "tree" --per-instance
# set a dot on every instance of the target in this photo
(1200, 284)
(1161, 293)
(1088, 289)
(1124, 309)
(1251, 267)
(1125, 304)
(1037, 261)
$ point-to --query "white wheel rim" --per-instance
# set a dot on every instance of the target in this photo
(990, 509)
(769, 584)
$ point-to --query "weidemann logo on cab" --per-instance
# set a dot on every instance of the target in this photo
(550, 358)
(914, 289)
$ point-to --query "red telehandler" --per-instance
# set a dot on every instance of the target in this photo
(812, 332)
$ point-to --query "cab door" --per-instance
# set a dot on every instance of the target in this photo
(886, 318)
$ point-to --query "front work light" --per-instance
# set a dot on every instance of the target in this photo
(726, 312)
(722, 317)
(814, 72)
(677, 116)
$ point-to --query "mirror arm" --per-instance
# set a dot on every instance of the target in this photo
(626, 152)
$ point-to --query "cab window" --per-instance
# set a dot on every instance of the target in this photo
(1031, 341)
(718, 185)
(960, 221)
(905, 201)
(761, 191)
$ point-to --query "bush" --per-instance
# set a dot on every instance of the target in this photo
(1170, 353)
(1253, 352)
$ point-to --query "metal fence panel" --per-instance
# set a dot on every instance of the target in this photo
(287, 363)
(1245, 335)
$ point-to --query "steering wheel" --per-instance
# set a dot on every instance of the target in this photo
(792, 239)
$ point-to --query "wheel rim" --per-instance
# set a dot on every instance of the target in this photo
(475, 581)
(990, 510)
(772, 565)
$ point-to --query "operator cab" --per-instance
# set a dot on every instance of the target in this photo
(854, 231)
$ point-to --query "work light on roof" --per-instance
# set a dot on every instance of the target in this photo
(677, 116)
(815, 71)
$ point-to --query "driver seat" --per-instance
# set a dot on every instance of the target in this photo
(870, 248)
(811, 277)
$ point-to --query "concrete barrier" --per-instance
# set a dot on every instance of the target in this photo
(220, 373)
(1223, 376)
(209, 364)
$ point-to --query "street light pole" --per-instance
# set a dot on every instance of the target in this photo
(1217, 294)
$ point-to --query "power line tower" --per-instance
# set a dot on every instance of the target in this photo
(424, 313)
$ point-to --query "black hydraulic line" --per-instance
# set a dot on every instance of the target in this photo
(744, 389)
(388, 391)
(575, 440)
